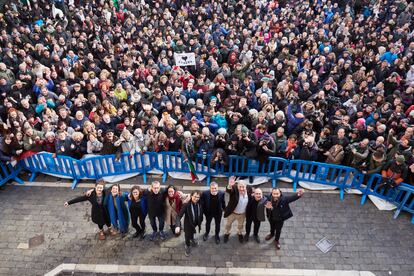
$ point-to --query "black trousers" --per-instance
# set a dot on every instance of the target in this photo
(101, 226)
(217, 221)
(276, 228)
(154, 224)
(135, 216)
(256, 227)
(188, 236)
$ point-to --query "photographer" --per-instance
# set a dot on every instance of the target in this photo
(205, 144)
(219, 158)
(265, 149)
(221, 138)
(393, 173)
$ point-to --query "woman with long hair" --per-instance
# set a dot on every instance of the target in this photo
(138, 211)
(99, 212)
(118, 213)
(173, 203)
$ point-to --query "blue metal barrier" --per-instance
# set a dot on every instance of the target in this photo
(393, 195)
(277, 168)
(323, 173)
(96, 167)
(8, 172)
(60, 166)
(407, 202)
(174, 162)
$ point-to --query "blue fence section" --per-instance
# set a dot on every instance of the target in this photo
(8, 173)
(96, 167)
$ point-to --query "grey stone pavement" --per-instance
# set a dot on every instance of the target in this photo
(37, 234)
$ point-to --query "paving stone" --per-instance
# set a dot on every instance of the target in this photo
(365, 238)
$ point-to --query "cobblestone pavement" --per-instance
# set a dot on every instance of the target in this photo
(365, 238)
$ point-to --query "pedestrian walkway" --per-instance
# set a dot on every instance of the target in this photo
(38, 234)
(82, 269)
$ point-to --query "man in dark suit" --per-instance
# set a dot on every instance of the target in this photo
(278, 211)
(236, 208)
(213, 205)
(255, 214)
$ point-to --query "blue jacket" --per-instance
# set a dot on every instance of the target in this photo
(293, 122)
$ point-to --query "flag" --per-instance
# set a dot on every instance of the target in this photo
(192, 171)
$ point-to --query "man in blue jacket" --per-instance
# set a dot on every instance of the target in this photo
(213, 205)
(278, 211)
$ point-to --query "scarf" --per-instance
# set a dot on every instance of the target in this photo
(119, 216)
(195, 212)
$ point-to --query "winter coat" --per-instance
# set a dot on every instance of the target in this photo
(99, 213)
(281, 210)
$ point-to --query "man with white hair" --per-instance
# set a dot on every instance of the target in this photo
(236, 208)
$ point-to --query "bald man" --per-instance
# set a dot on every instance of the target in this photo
(255, 214)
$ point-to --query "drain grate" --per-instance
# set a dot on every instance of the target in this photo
(325, 245)
(36, 241)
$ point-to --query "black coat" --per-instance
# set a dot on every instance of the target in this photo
(234, 199)
(155, 203)
(99, 213)
(256, 212)
(281, 210)
(189, 224)
(205, 203)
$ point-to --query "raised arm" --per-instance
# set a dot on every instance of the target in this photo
(76, 200)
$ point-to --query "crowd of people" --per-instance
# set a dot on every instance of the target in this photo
(115, 209)
(330, 81)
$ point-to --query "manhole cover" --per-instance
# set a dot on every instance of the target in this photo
(325, 245)
(36, 241)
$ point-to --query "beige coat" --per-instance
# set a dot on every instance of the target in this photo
(170, 210)
(335, 156)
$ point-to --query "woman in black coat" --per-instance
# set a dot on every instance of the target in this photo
(278, 211)
(193, 218)
(99, 213)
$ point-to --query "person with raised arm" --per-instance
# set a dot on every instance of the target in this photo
(99, 212)
(278, 211)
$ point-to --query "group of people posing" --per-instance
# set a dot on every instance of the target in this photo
(114, 208)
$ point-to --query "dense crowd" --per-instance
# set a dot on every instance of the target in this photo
(331, 81)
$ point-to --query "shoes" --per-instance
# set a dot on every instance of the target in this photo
(240, 238)
(187, 251)
(205, 237)
(217, 238)
(226, 238)
(162, 235)
(112, 231)
(142, 235)
(194, 243)
(136, 235)
(246, 238)
(268, 237)
(277, 245)
(101, 235)
(153, 236)
(256, 238)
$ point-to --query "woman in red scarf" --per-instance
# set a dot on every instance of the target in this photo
(173, 203)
